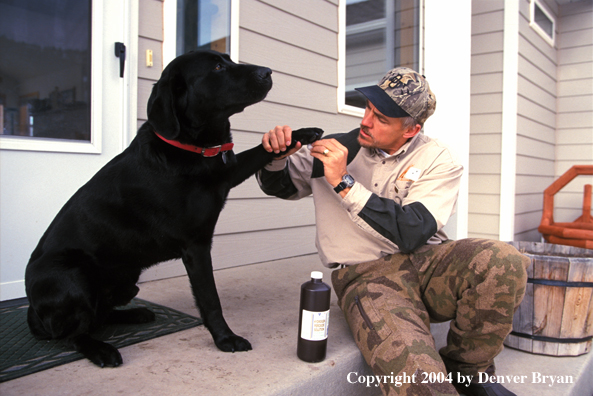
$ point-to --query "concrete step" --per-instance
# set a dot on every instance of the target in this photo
(261, 303)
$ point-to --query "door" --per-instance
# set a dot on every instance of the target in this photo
(63, 111)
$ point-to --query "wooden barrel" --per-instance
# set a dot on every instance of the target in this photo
(556, 315)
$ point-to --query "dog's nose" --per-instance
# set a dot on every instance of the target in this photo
(264, 72)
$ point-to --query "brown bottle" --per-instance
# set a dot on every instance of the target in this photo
(313, 319)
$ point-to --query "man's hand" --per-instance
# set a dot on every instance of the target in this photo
(277, 139)
(334, 157)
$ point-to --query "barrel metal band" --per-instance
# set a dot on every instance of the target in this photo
(552, 339)
(550, 282)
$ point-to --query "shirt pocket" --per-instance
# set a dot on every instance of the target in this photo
(400, 190)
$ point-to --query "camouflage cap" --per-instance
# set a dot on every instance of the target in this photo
(402, 93)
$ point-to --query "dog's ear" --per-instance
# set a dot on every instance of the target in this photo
(162, 104)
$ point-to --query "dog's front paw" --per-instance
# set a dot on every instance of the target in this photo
(105, 356)
(306, 135)
(100, 353)
(233, 343)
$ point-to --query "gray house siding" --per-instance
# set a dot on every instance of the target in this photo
(554, 115)
(536, 121)
(486, 118)
(150, 37)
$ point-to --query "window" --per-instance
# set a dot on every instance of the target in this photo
(203, 24)
(379, 35)
(542, 22)
(45, 84)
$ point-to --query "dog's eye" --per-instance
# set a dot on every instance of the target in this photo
(218, 67)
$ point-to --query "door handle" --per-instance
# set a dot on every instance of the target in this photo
(120, 52)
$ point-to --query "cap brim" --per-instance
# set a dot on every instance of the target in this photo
(382, 101)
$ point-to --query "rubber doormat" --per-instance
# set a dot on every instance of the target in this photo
(21, 354)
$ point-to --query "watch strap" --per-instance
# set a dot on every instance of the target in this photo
(340, 187)
(347, 181)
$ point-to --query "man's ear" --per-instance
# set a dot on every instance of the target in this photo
(162, 114)
(410, 133)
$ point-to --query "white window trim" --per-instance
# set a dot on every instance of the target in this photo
(130, 87)
(72, 146)
(170, 31)
(536, 27)
(343, 108)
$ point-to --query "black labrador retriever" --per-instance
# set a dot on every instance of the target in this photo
(158, 200)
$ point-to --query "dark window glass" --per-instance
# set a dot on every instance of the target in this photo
(543, 21)
(203, 24)
(45, 72)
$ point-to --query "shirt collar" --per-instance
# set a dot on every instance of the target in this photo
(402, 150)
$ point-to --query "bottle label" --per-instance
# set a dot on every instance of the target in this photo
(314, 325)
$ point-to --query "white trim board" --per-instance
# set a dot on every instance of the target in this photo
(508, 155)
(451, 121)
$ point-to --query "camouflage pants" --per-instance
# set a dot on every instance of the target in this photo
(389, 304)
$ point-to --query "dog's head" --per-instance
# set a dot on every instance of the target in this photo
(200, 90)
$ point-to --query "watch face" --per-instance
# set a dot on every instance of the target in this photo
(349, 180)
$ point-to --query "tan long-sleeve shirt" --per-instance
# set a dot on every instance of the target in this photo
(397, 204)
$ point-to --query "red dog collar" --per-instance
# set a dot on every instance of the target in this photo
(205, 151)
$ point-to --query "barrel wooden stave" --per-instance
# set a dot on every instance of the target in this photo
(559, 312)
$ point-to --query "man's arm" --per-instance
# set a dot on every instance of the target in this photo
(284, 178)
(277, 183)
(429, 203)
(409, 226)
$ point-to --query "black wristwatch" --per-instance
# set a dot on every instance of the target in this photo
(347, 182)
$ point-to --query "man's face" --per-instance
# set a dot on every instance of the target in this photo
(382, 132)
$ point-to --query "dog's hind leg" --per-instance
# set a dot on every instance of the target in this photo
(98, 352)
(198, 264)
(122, 295)
(36, 325)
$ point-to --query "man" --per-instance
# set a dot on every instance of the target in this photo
(382, 195)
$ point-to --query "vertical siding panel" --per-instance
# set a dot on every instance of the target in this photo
(150, 37)
(486, 118)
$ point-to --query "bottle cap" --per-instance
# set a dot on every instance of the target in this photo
(317, 275)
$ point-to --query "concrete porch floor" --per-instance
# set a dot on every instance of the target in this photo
(261, 303)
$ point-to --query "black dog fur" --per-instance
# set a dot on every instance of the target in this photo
(152, 203)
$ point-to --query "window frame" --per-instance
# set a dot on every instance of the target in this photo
(342, 107)
(170, 31)
(94, 146)
(535, 26)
